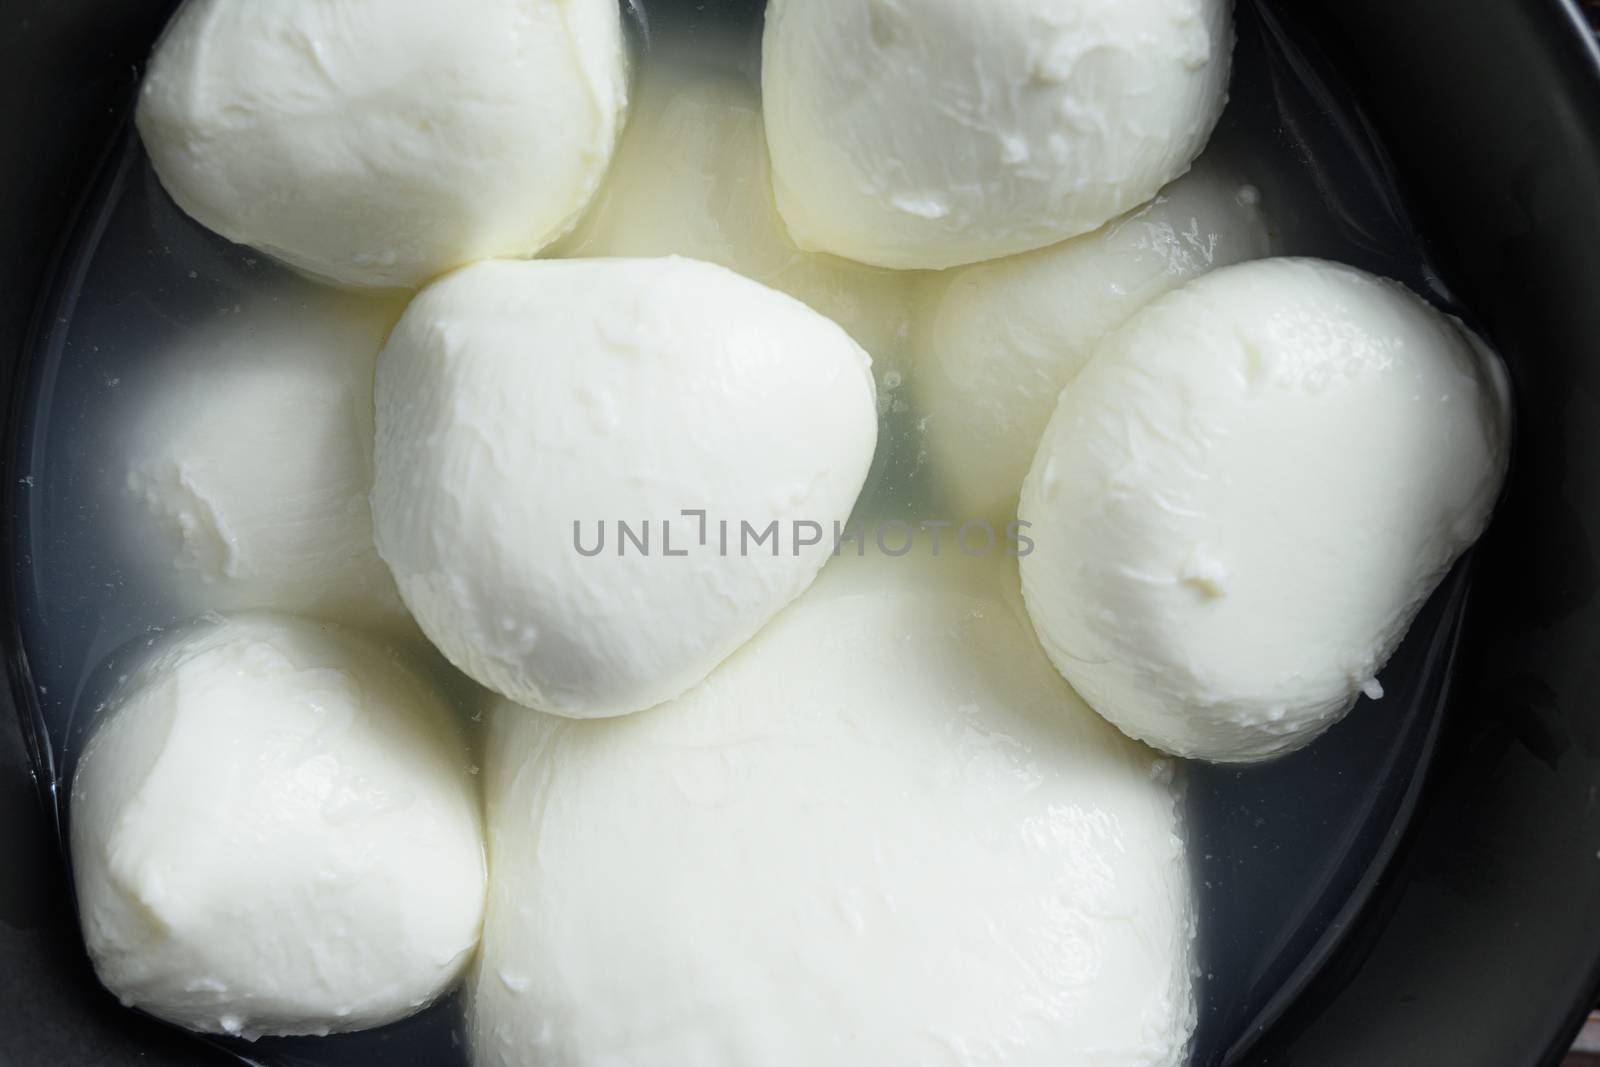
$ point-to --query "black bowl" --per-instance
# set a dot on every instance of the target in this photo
(1477, 938)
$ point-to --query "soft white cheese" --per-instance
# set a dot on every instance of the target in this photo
(884, 834)
(995, 343)
(1247, 495)
(382, 142)
(274, 831)
(932, 133)
(691, 178)
(527, 410)
(249, 465)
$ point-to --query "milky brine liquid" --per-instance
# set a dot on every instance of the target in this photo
(1277, 850)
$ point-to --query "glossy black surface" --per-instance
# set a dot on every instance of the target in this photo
(1480, 946)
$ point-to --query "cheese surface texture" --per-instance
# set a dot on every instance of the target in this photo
(274, 832)
(248, 469)
(1245, 498)
(692, 178)
(527, 411)
(380, 143)
(996, 342)
(933, 133)
(884, 834)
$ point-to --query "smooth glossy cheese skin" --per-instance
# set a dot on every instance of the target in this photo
(933, 133)
(692, 178)
(526, 409)
(1243, 501)
(383, 142)
(249, 467)
(884, 834)
(274, 831)
(995, 343)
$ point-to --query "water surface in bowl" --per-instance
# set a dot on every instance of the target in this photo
(1283, 854)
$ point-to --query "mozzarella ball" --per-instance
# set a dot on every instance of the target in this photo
(997, 342)
(933, 133)
(1244, 500)
(691, 178)
(885, 833)
(274, 831)
(249, 466)
(544, 427)
(382, 142)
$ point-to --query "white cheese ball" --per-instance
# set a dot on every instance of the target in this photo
(691, 178)
(526, 410)
(274, 832)
(249, 462)
(885, 834)
(997, 342)
(932, 133)
(1245, 498)
(383, 142)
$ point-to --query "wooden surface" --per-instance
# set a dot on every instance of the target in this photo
(1586, 1052)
